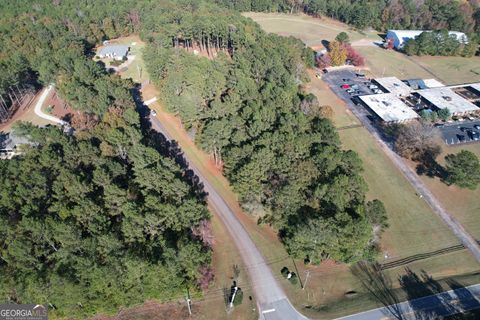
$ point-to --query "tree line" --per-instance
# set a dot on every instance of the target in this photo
(379, 14)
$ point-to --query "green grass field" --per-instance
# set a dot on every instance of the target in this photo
(309, 30)
(464, 204)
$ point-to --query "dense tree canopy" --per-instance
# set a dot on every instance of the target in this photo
(380, 14)
(98, 214)
(285, 161)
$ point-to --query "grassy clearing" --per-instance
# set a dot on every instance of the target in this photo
(310, 30)
(452, 70)
(464, 204)
(135, 70)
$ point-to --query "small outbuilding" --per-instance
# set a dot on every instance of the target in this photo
(117, 52)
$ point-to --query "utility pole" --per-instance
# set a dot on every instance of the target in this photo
(306, 279)
(189, 301)
(298, 274)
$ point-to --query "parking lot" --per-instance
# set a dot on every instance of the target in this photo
(348, 84)
(461, 132)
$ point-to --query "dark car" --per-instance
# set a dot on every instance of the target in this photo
(461, 137)
(474, 135)
(439, 125)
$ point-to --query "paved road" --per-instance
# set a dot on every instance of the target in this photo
(411, 176)
(272, 301)
(39, 104)
(439, 305)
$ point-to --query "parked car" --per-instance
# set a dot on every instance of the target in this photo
(350, 91)
(372, 86)
(354, 86)
(360, 75)
(439, 125)
(461, 137)
(477, 126)
(474, 135)
(345, 86)
(377, 91)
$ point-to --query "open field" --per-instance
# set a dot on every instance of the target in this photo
(452, 70)
(464, 204)
(310, 30)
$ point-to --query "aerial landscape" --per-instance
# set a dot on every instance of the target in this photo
(240, 159)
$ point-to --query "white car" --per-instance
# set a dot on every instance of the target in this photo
(372, 86)
(153, 113)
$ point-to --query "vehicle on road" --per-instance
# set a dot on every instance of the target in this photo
(318, 76)
(153, 113)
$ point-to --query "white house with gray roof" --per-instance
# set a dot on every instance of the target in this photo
(117, 52)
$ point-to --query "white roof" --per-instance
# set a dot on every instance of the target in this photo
(446, 98)
(433, 83)
(475, 86)
(413, 33)
(389, 107)
(395, 86)
(114, 50)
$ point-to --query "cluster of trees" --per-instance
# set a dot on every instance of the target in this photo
(419, 142)
(433, 116)
(463, 169)
(440, 43)
(379, 14)
(282, 157)
(339, 53)
(97, 220)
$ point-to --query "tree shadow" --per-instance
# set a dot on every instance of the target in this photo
(427, 299)
(166, 147)
(379, 285)
(428, 165)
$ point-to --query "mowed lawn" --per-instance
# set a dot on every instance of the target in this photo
(464, 204)
(310, 30)
(452, 70)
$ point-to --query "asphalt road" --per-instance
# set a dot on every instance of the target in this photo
(436, 306)
(271, 299)
(455, 226)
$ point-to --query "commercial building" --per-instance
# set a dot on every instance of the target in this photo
(394, 86)
(445, 97)
(400, 37)
(389, 108)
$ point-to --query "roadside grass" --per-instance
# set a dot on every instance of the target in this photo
(464, 204)
(310, 30)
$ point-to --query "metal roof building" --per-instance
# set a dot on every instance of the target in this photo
(389, 107)
(117, 52)
(445, 97)
(400, 37)
(395, 86)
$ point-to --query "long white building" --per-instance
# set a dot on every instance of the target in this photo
(400, 37)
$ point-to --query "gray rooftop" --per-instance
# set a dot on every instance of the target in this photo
(389, 107)
(114, 51)
(445, 97)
